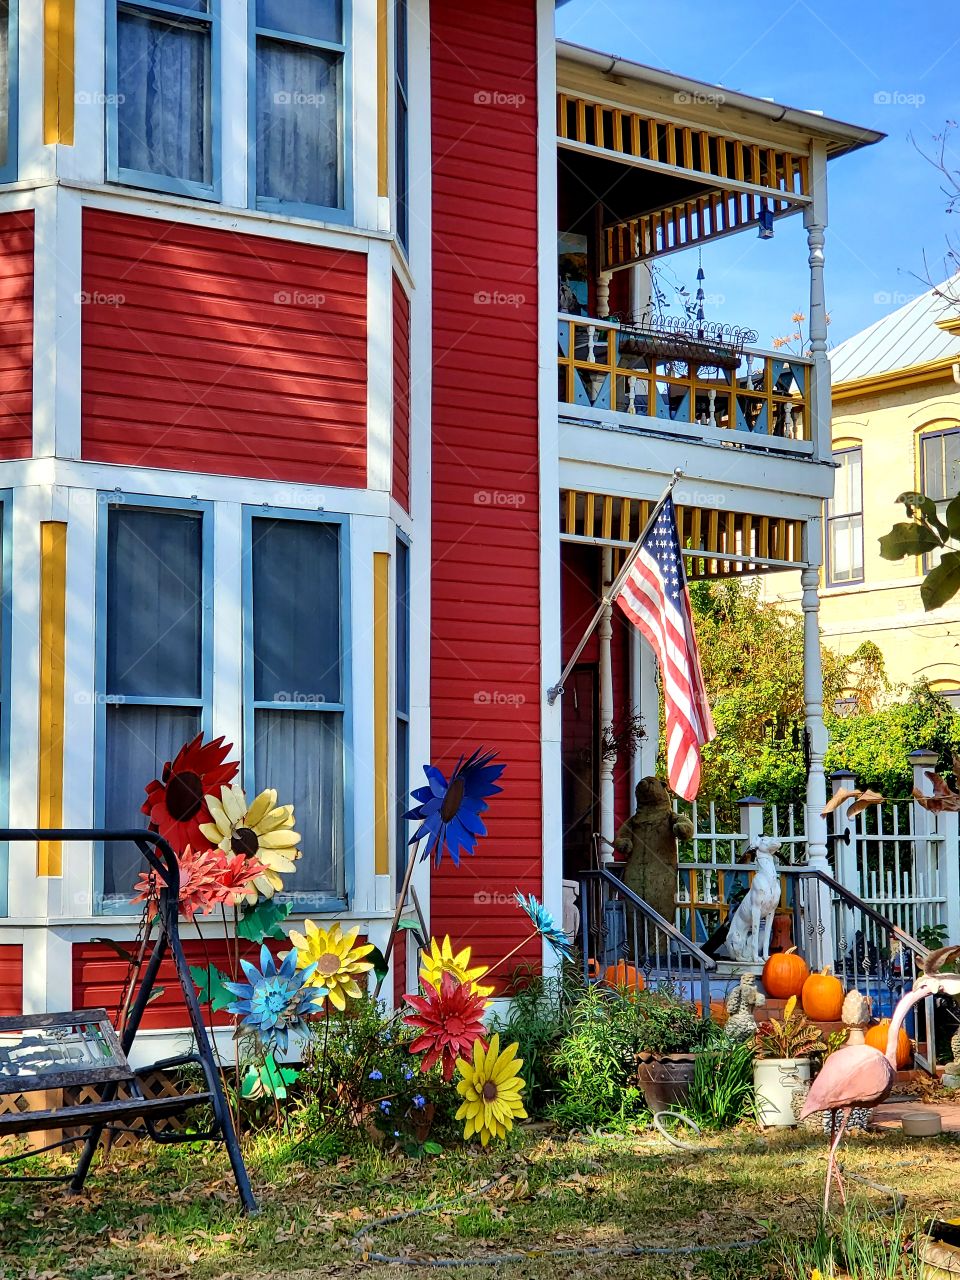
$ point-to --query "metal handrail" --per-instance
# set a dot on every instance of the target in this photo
(645, 909)
(850, 899)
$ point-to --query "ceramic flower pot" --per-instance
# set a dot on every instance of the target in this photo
(665, 1079)
(780, 1085)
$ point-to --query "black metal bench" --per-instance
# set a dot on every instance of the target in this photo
(80, 1047)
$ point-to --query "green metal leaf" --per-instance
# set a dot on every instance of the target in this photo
(209, 983)
(265, 920)
(379, 962)
(909, 539)
(275, 1078)
(433, 1148)
(251, 1085)
(942, 582)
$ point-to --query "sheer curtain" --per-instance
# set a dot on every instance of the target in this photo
(154, 612)
(298, 124)
(162, 86)
(4, 81)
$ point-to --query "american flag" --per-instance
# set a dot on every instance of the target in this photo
(654, 597)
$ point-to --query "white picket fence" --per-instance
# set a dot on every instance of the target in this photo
(897, 857)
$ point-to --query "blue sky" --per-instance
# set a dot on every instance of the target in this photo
(886, 207)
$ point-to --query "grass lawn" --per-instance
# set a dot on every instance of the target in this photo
(161, 1213)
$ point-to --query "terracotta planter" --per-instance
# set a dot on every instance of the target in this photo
(779, 1085)
(665, 1079)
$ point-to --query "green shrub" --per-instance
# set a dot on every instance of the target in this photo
(538, 1018)
(722, 1091)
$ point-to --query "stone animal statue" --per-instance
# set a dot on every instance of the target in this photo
(649, 840)
(748, 939)
(741, 1002)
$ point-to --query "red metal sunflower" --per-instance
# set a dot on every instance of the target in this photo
(451, 1021)
(175, 803)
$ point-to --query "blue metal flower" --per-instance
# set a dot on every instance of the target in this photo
(274, 1001)
(544, 924)
(448, 812)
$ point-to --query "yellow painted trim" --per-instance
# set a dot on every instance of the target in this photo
(381, 713)
(58, 71)
(950, 325)
(383, 99)
(933, 371)
(53, 613)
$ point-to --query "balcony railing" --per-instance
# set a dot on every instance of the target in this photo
(670, 377)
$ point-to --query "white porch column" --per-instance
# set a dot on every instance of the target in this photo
(944, 854)
(821, 946)
(607, 759)
(603, 294)
(815, 221)
(845, 855)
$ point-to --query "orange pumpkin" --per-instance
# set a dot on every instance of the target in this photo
(784, 974)
(876, 1036)
(822, 997)
(624, 976)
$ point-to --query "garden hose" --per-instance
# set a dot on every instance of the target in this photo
(658, 1116)
(525, 1255)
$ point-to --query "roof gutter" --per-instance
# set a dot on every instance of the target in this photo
(850, 136)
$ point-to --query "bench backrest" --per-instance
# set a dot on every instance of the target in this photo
(57, 1050)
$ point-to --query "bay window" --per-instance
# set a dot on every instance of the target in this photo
(295, 677)
(299, 109)
(162, 87)
(155, 655)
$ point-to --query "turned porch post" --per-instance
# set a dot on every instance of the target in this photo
(607, 759)
(815, 221)
(820, 918)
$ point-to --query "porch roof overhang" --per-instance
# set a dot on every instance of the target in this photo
(680, 161)
(716, 543)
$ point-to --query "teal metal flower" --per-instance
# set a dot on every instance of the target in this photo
(449, 812)
(544, 924)
(275, 1001)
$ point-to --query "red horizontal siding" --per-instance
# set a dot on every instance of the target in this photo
(215, 351)
(401, 395)
(485, 656)
(11, 979)
(16, 335)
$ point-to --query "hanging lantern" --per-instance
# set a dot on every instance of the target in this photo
(766, 221)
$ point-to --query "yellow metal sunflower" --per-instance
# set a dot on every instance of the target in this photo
(440, 959)
(262, 830)
(491, 1091)
(339, 961)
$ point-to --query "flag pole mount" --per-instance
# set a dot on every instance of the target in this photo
(556, 690)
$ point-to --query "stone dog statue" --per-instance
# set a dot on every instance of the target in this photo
(649, 839)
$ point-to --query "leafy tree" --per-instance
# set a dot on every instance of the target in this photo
(921, 533)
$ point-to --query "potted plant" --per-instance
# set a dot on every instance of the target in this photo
(668, 1032)
(781, 1072)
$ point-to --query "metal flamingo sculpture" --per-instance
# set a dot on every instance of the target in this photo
(861, 1076)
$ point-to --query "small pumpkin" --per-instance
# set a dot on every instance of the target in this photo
(822, 997)
(624, 977)
(876, 1037)
(784, 974)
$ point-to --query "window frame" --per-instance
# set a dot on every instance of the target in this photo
(401, 93)
(401, 770)
(937, 433)
(142, 178)
(296, 209)
(306, 901)
(6, 681)
(9, 169)
(144, 502)
(828, 531)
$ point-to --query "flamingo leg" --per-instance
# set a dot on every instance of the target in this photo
(833, 1172)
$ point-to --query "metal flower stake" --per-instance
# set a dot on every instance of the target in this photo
(448, 811)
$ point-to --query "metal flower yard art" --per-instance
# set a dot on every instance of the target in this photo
(490, 1087)
(275, 1001)
(261, 829)
(449, 811)
(450, 1020)
(441, 959)
(334, 959)
(175, 801)
(544, 924)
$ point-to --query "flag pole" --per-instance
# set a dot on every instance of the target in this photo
(556, 690)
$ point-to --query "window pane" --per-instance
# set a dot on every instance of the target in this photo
(154, 604)
(298, 124)
(318, 19)
(933, 476)
(139, 741)
(847, 484)
(301, 754)
(4, 81)
(403, 627)
(403, 802)
(403, 162)
(951, 465)
(846, 548)
(163, 89)
(296, 611)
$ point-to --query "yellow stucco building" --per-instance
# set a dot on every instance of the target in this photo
(896, 427)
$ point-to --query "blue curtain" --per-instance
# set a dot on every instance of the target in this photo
(163, 91)
(298, 124)
(317, 19)
(4, 81)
